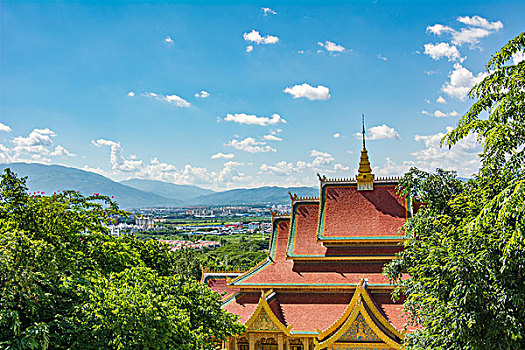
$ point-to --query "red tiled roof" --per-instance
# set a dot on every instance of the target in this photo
(280, 272)
(219, 284)
(393, 311)
(309, 311)
(243, 305)
(347, 212)
(304, 243)
(305, 217)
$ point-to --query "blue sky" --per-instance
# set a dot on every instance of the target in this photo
(226, 95)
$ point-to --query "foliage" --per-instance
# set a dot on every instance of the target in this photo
(466, 249)
(65, 283)
(502, 95)
(236, 256)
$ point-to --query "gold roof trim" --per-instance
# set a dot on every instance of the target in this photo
(263, 306)
(279, 214)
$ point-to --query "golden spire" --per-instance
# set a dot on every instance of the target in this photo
(365, 178)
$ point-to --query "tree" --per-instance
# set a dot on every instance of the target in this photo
(465, 255)
(65, 283)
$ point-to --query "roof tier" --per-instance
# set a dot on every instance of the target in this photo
(320, 315)
(350, 215)
(304, 245)
(278, 272)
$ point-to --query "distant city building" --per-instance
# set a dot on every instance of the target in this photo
(178, 244)
(145, 222)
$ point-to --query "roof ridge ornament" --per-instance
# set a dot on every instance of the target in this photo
(365, 178)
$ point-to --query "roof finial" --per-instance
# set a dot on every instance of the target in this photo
(365, 178)
(364, 131)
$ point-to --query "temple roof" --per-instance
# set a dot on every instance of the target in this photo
(303, 243)
(293, 313)
(218, 282)
(348, 215)
(278, 272)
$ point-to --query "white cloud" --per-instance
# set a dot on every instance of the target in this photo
(312, 93)
(255, 36)
(117, 160)
(250, 119)
(250, 145)
(37, 137)
(61, 151)
(518, 57)
(341, 167)
(168, 40)
(336, 135)
(249, 48)
(202, 94)
(437, 51)
(321, 158)
(439, 29)
(441, 100)
(221, 155)
(131, 94)
(4, 128)
(331, 46)
(268, 11)
(469, 35)
(38, 146)
(123, 168)
(438, 114)
(272, 138)
(462, 157)
(477, 21)
(381, 57)
(321, 162)
(380, 132)
(174, 99)
(477, 28)
(461, 81)
(280, 168)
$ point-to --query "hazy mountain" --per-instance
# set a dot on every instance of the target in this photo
(168, 190)
(145, 193)
(254, 196)
(51, 178)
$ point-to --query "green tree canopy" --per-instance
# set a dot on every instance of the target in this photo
(65, 283)
(466, 249)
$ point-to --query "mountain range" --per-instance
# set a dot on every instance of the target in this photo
(139, 193)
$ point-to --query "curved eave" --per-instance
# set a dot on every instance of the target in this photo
(381, 240)
(293, 226)
(269, 259)
(322, 258)
(313, 286)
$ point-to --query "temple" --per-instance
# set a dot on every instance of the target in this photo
(321, 286)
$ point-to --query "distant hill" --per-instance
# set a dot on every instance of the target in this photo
(261, 195)
(168, 190)
(51, 178)
(145, 193)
